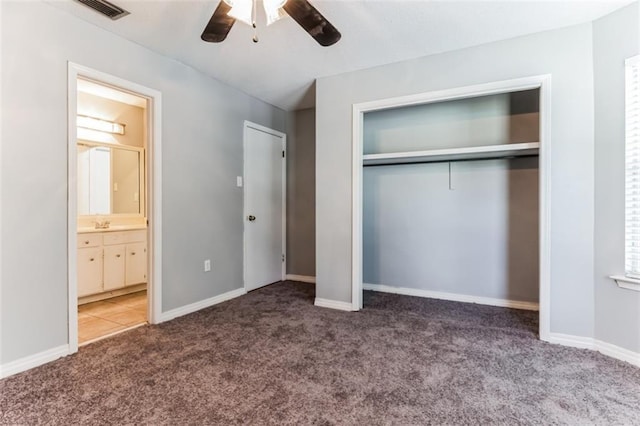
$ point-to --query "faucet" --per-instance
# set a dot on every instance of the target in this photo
(102, 223)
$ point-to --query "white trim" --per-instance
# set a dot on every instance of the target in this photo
(571, 341)
(544, 196)
(626, 282)
(604, 348)
(202, 304)
(455, 297)
(72, 206)
(542, 82)
(356, 205)
(154, 204)
(617, 352)
(247, 125)
(333, 304)
(284, 205)
(483, 89)
(154, 190)
(1, 234)
(32, 361)
(301, 278)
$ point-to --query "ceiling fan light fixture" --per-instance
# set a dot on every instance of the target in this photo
(305, 15)
(242, 10)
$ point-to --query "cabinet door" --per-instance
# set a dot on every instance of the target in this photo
(89, 271)
(114, 257)
(136, 267)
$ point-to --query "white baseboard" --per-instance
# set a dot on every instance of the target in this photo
(604, 348)
(301, 278)
(571, 341)
(514, 304)
(32, 361)
(617, 352)
(188, 309)
(333, 304)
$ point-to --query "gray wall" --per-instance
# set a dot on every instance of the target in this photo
(202, 155)
(485, 120)
(479, 239)
(615, 37)
(301, 194)
(566, 54)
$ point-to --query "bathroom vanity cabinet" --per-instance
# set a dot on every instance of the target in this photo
(111, 260)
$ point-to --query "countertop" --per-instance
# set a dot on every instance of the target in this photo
(114, 228)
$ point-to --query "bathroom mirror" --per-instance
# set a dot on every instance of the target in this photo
(110, 180)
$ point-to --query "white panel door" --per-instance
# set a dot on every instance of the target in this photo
(263, 206)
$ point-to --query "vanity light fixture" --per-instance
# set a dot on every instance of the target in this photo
(93, 123)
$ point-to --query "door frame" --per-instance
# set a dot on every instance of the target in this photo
(250, 125)
(542, 82)
(154, 191)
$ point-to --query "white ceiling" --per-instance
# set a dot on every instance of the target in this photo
(282, 67)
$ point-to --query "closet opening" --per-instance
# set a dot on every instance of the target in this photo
(114, 196)
(450, 196)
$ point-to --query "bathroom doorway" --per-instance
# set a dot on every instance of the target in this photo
(114, 215)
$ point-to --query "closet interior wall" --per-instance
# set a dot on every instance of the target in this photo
(463, 227)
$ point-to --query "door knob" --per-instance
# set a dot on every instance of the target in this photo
(251, 218)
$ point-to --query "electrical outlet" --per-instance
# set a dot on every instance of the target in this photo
(207, 265)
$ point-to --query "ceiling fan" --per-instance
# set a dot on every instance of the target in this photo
(307, 16)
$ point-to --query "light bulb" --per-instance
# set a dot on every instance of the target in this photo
(241, 10)
(273, 10)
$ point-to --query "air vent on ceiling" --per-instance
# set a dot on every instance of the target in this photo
(104, 7)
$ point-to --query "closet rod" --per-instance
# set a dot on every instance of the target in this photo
(450, 161)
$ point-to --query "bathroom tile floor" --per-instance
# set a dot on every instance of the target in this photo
(98, 319)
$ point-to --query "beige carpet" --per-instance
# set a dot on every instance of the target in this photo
(271, 357)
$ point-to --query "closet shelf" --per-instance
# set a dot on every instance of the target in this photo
(453, 154)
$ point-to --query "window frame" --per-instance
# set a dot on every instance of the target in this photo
(631, 278)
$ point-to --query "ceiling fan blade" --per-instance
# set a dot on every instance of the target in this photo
(219, 25)
(312, 21)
